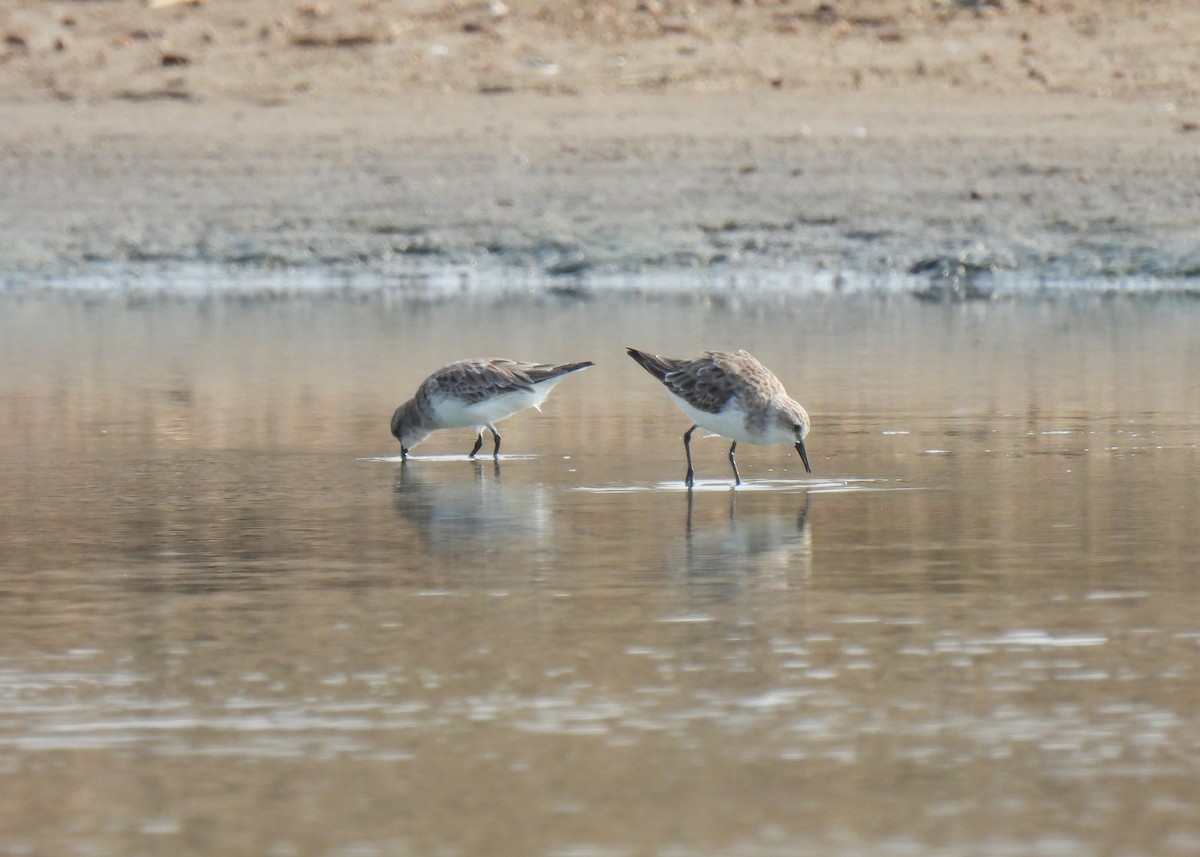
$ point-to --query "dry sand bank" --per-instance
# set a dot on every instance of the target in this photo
(284, 49)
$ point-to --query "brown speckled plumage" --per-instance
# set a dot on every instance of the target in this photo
(477, 393)
(732, 394)
(475, 380)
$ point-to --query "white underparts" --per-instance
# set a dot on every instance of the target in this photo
(730, 422)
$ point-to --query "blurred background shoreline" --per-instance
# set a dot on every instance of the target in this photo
(273, 51)
(964, 146)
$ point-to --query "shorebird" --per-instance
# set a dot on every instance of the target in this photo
(732, 395)
(476, 393)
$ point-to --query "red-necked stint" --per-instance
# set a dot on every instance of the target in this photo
(477, 393)
(733, 395)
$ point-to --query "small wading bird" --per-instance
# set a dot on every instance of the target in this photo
(733, 395)
(477, 393)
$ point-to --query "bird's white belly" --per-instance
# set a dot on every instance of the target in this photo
(451, 412)
(730, 422)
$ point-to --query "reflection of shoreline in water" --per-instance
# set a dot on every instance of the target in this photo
(476, 520)
(743, 551)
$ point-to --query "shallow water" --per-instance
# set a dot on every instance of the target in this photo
(233, 623)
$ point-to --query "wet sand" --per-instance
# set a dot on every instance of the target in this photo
(1060, 187)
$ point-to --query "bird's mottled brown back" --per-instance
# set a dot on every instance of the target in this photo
(475, 380)
(708, 382)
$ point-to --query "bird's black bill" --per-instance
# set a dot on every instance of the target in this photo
(803, 455)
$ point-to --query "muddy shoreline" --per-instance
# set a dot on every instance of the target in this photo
(172, 141)
(545, 186)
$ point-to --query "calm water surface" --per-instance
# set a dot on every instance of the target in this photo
(232, 623)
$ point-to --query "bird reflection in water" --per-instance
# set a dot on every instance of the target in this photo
(745, 550)
(479, 520)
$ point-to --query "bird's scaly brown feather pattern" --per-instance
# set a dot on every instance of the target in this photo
(475, 380)
(707, 383)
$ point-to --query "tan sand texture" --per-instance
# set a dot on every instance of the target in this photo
(1056, 138)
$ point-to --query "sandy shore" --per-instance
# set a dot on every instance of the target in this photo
(576, 137)
(280, 50)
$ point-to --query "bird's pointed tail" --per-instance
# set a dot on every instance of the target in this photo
(652, 363)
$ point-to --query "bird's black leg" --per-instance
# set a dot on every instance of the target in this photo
(496, 435)
(404, 453)
(737, 477)
(477, 446)
(687, 447)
